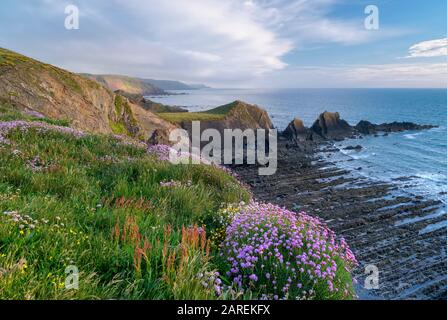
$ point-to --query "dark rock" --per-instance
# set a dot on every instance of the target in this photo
(330, 126)
(357, 148)
(366, 127)
(297, 131)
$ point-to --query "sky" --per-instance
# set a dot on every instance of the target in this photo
(239, 43)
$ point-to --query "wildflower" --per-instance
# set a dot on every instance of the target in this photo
(262, 238)
(253, 277)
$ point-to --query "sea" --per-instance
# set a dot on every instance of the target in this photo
(418, 157)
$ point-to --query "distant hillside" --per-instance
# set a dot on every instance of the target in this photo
(174, 85)
(127, 84)
(148, 104)
(30, 85)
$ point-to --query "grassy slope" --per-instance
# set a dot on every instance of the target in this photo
(215, 114)
(12, 59)
(83, 192)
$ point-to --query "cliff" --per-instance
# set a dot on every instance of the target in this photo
(30, 85)
(127, 84)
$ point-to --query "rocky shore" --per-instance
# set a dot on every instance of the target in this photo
(383, 226)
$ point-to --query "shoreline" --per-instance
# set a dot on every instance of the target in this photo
(367, 213)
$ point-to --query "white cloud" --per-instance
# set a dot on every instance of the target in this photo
(423, 75)
(427, 49)
(219, 42)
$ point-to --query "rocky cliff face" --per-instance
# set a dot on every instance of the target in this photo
(31, 85)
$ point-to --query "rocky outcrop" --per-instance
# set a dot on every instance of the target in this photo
(297, 131)
(366, 127)
(330, 126)
(356, 148)
(55, 93)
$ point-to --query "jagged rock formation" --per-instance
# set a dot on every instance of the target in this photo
(55, 93)
(329, 126)
(297, 131)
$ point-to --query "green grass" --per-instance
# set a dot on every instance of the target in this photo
(79, 193)
(215, 114)
(178, 117)
(11, 59)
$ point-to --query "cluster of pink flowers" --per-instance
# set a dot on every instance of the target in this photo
(7, 126)
(22, 221)
(161, 151)
(279, 254)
